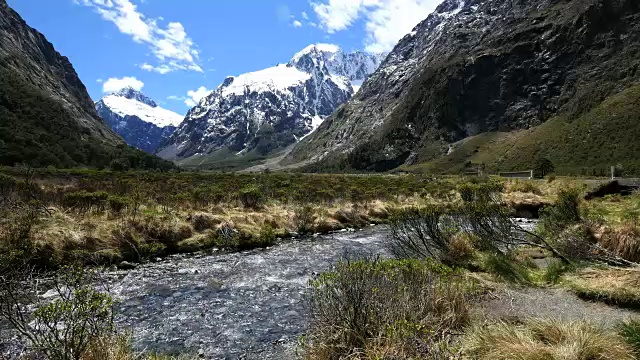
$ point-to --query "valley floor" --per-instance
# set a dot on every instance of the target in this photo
(240, 282)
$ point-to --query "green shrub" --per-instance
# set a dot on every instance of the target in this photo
(62, 328)
(554, 271)
(526, 187)
(251, 197)
(118, 203)
(86, 201)
(506, 268)
(267, 236)
(564, 212)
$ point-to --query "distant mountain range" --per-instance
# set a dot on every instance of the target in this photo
(497, 84)
(137, 118)
(267, 110)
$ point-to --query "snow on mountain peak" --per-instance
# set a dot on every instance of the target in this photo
(316, 48)
(130, 93)
(129, 102)
(277, 78)
(270, 109)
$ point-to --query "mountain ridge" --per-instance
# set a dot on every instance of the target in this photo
(479, 66)
(267, 110)
(137, 118)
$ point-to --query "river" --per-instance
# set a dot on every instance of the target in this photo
(248, 305)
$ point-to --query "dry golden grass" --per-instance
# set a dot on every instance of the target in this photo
(623, 240)
(616, 286)
(108, 238)
(545, 340)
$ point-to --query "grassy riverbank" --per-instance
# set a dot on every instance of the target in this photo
(362, 308)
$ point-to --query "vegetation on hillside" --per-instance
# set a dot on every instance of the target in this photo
(38, 130)
(589, 145)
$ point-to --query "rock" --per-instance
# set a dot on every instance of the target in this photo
(125, 265)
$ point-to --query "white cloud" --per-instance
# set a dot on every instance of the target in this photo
(115, 84)
(171, 45)
(297, 23)
(386, 21)
(193, 96)
(160, 69)
(305, 15)
(99, 81)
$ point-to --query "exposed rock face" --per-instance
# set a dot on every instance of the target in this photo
(272, 108)
(27, 54)
(477, 66)
(138, 119)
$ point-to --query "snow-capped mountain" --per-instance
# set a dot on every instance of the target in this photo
(271, 108)
(137, 118)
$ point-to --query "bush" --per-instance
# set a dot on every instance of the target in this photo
(525, 187)
(251, 197)
(483, 192)
(421, 232)
(545, 339)
(555, 270)
(304, 219)
(460, 250)
(64, 328)
(267, 236)
(382, 308)
(507, 268)
(118, 203)
(85, 201)
(203, 221)
(564, 212)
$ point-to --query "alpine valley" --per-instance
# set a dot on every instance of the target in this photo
(260, 113)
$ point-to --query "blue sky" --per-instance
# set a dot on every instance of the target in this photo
(175, 51)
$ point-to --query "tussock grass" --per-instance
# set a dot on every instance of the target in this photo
(614, 286)
(630, 330)
(545, 340)
(622, 240)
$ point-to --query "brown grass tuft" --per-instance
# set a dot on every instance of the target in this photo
(624, 241)
(545, 340)
(615, 286)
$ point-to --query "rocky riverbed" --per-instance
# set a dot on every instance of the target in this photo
(227, 306)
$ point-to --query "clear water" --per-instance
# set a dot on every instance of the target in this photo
(227, 306)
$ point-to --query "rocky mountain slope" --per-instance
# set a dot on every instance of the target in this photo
(491, 67)
(46, 116)
(138, 119)
(266, 110)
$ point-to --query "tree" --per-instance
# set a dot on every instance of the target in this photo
(543, 166)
